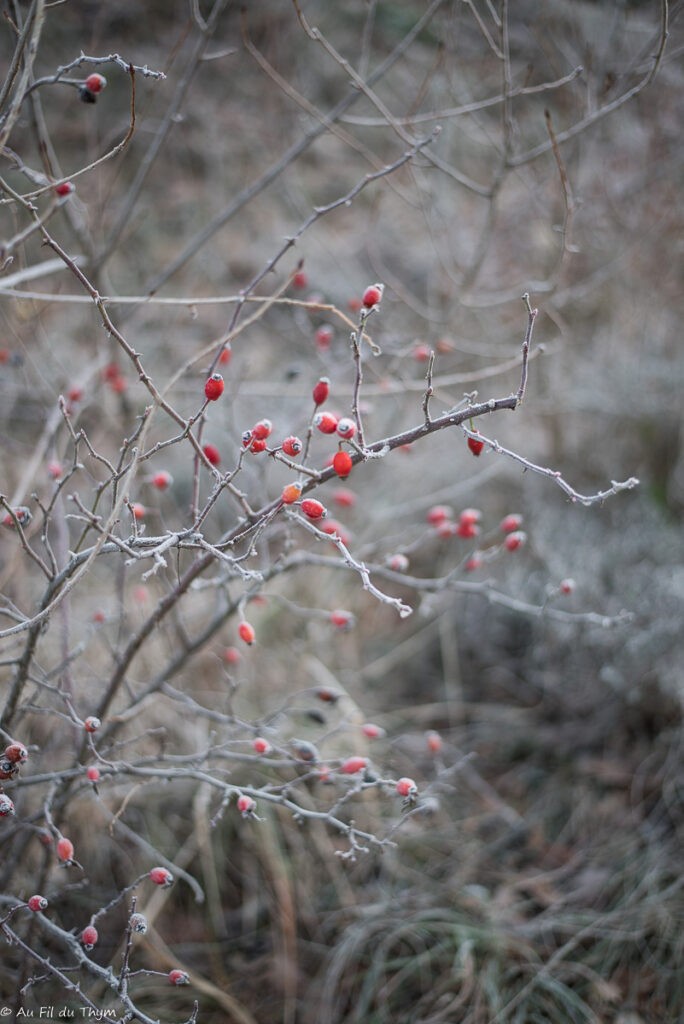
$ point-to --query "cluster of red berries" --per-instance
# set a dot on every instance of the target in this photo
(14, 756)
(466, 527)
(255, 439)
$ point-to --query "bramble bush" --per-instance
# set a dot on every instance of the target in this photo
(273, 282)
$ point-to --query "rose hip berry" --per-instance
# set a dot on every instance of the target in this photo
(93, 773)
(433, 741)
(326, 422)
(342, 619)
(353, 765)
(246, 805)
(92, 724)
(95, 82)
(438, 514)
(511, 522)
(257, 445)
(515, 540)
(6, 806)
(565, 586)
(138, 923)
(300, 280)
(162, 480)
(246, 633)
(212, 454)
(466, 529)
(406, 787)
(65, 188)
(291, 493)
(16, 753)
(262, 430)
(313, 509)
(22, 514)
(161, 876)
(213, 387)
(475, 445)
(37, 904)
(261, 746)
(346, 428)
(89, 937)
(372, 731)
(292, 446)
(343, 465)
(321, 391)
(178, 977)
(324, 337)
(65, 850)
(372, 295)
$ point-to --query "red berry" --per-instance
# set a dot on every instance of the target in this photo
(324, 336)
(178, 977)
(333, 528)
(473, 563)
(138, 510)
(470, 515)
(445, 529)
(421, 352)
(162, 480)
(406, 787)
(95, 82)
(291, 493)
(515, 540)
(89, 937)
(212, 453)
(466, 529)
(434, 741)
(321, 391)
(511, 522)
(226, 354)
(398, 562)
(342, 464)
(313, 509)
(16, 753)
(326, 422)
(54, 469)
(261, 430)
(343, 496)
(6, 805)
(246, 633)
(92, 724)
(292, 446)
(99, 615)
(231, 655)
(372, 731)
(65, 850)
(246, 438)
(475, 445)
(342, 619)
(353, 765)
(246, 805)
(161, 876)
(565, 586)
(93, 773)
(75, 394)
(65, 188)
(346, 428)
(372, 295)
(213, 387)
(438, 514)
(300, 280)
(257, 445)
(261, 745)
(37, 903)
